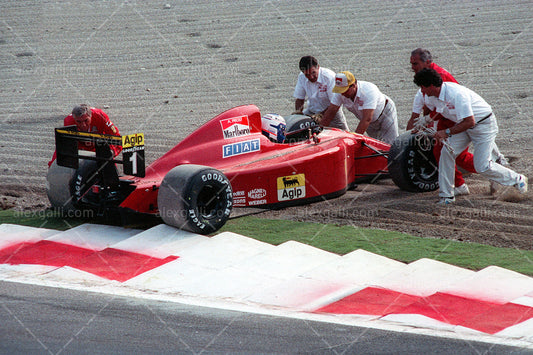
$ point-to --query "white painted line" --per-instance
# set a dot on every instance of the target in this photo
(26, 272)
(293, 293)
(418, 320)
(522, 331)
(423, 277)
(94, 236)
(493, 284)
(524, 301)
(356, 268)
(159, 241)
(10, 235)
(288, 260)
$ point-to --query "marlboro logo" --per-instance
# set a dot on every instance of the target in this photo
(235, 127)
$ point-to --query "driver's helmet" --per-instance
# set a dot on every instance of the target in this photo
(273, 126)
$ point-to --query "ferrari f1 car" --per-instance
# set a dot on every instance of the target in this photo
(228, 163)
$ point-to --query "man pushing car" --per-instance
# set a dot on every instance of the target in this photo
(316, 83)
(375, 111)
(474, 122)
(92, 120)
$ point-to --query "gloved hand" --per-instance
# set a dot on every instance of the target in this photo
(317, 117)
(421, 122)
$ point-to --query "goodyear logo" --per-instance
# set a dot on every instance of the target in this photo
(133, 140)
(291, 187)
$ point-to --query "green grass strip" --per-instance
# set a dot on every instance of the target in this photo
(42, 219)
(395, 245)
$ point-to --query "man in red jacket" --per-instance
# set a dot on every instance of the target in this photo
(421, 59)
(90, 119)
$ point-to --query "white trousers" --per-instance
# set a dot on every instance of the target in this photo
(385, 128)
(482, 136)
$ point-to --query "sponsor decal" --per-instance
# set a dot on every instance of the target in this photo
(235, 127)
(257, 202)
(239, 198)
(214, 177)
(194, 218)
(133, 140)
(291, 187)
(238, 148)
(257, 193)
(239, 202)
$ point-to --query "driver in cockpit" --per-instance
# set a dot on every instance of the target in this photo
(273, 126)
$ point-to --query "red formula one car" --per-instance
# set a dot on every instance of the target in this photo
(225, 163)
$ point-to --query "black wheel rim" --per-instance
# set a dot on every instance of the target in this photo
(211, 201)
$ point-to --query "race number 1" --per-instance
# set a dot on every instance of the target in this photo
(133, 154)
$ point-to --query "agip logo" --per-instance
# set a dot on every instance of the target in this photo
(133, 140)
(235, 127)
(291, 187)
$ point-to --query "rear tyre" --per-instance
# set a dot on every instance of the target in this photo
(58, 180)
(65, 186)
(412, 165)
(195, 198)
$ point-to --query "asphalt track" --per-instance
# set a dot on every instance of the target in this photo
(43, 320)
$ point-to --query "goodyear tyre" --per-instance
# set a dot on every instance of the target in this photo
(65, 186)
(412, 165)
(195, 198)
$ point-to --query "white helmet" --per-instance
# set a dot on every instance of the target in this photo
(273, 126)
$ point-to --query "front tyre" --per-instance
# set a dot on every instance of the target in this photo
(195, 198)
(412, 165)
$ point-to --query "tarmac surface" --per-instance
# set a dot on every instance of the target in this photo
(90, 323)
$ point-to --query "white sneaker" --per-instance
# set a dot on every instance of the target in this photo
(446, 201)
(461, 190)
(521, 185)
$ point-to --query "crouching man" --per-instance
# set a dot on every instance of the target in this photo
(475, 122)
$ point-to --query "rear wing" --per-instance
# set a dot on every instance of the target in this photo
(67, 139)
